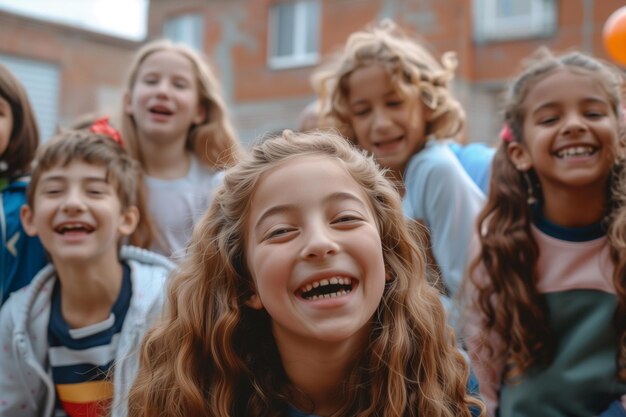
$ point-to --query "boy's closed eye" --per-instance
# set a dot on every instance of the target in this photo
(51, 191)
(51, 187)
(97, 191)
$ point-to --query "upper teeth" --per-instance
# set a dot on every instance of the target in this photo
(73, 226)
(575, 151)
(324, 282)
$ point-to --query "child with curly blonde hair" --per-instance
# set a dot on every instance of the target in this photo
(389, 95)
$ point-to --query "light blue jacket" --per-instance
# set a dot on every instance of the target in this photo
(440, 193)
(476, 159)
(26, 387)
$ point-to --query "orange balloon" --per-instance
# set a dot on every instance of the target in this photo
(614, 35)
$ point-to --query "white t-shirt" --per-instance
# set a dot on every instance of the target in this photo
(176, 206)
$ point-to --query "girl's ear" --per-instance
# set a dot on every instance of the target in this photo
(518, 154)
(128, 103)
(26, 215)
(200, 115)
(389, 274)
(255, 302)
(128, 221)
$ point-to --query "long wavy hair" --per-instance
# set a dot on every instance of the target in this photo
(213, 140)
(413, 71)
(24, 136)
(512, 305)
(122, 171)
(213, 355)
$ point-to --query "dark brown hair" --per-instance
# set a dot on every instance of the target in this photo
(509, 252)
(24, 137)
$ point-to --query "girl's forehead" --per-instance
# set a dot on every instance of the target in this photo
(305, 168)
(166, 59)
(366, 78)
(295, 161)
(565, 84)
(308, 180)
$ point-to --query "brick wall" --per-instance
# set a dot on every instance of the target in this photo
(92, 66)
(263, 99)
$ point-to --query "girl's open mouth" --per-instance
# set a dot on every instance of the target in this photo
(326, 288)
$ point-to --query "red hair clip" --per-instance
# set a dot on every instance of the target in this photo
(102, 127)
(506, 134)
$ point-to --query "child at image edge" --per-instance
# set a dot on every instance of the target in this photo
(175, 123)
(391, 97)
(547, 301)
(70, 338)
(303, 294)
(21, 256)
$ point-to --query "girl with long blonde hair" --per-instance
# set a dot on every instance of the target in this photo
(175, 122)
(303, 294)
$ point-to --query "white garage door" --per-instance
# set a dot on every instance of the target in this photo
(41, 81)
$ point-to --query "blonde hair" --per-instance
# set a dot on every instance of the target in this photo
(213, 141)
(213, 355)
(122, 171)
(413, 70)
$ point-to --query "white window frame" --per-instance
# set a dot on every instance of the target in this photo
(299, 57)
(187, 28)
(488, 26)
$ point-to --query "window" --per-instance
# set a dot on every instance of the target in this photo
(496, 20)
(294, 28)
(185, 28)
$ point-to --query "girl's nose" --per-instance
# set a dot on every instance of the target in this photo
(163, 88)
(382, 121)
(319, 244)
(574, 124)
